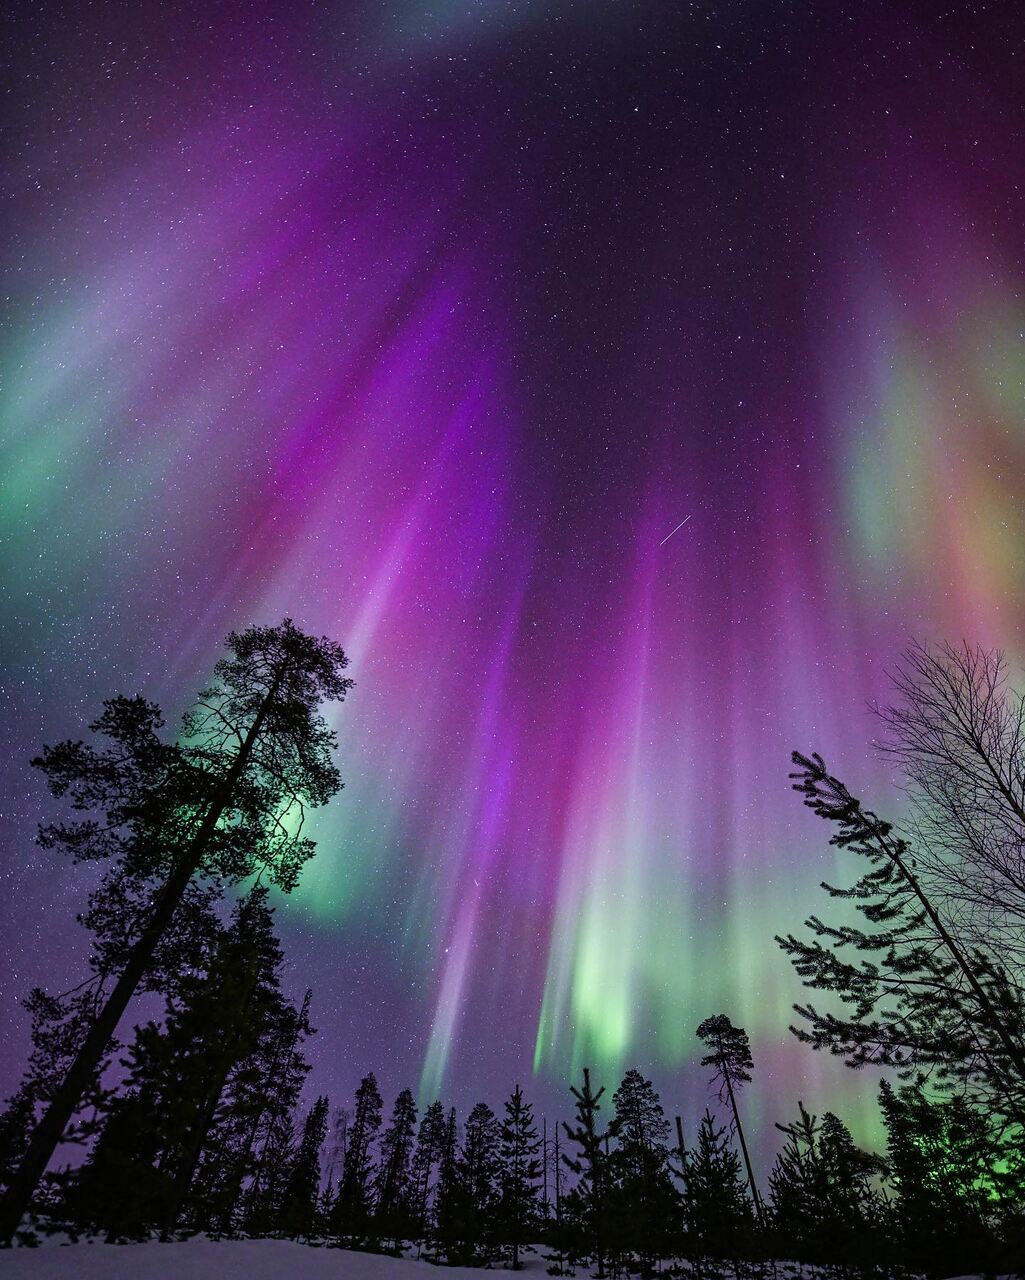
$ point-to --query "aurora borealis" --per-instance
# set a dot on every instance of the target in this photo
(425, 324)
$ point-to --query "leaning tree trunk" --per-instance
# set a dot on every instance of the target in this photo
(48, 1132)
(743, 1146)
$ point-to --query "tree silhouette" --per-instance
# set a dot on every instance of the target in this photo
(824, 1208)
(392, 1189)
(301, 1199)
(518, 1175)
(478, 1176)
(719, 1209)
(254, 1139)
(729, 1053)
(449, 1204)
(351, 1213)
(430, 1140)
(222, 801)
(644, 1207)
(958, 734)
(587, 1206)
(917, 999)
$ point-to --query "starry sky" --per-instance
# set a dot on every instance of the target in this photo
(425, 322)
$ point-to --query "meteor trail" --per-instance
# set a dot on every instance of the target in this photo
(672, 531)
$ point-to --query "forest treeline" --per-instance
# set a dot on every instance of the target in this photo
(194, 1120)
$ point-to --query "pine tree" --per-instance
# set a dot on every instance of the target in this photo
(393, 1187)
(719, 1208)
(264, 1199)
(643, 1205)
(253, 752)
(352, 1210)
(519, 1169)
(918, 1000)
(585, 1206)
(729, 1053)
(301, 1199)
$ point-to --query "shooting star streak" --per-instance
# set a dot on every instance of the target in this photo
(672, 531)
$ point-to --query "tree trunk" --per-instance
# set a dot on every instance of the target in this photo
(743, 1146)
(48, 1132)
(1013, 1049)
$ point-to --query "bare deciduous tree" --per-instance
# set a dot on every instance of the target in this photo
(958, 734)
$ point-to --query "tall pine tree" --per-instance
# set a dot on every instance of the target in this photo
(216, 803)
(729, 1053)
(478, 1175)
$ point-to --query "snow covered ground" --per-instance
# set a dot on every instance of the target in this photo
(200, 1259)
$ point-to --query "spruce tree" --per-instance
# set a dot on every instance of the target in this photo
(216, 803)
(215, 1034)
(301, 1206)
(720, 1209)
(800, 1191)
(430, 1140)
(178, 1077)
(254, 1136)
(585, 1206)
(120, 1190)
(519, 1170)
(478, 1172)
(265, 1195)
(353, 1207)
(643, 1205)
(855, 1208)
(393, 1192)
(449, 1202)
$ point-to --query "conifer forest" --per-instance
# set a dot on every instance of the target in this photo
(512, 639)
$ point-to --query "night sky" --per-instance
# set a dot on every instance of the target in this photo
(426, 323)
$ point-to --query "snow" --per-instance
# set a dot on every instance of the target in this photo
(200, 1259)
